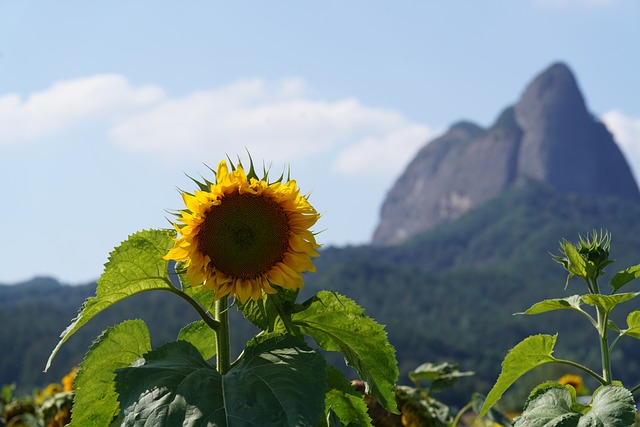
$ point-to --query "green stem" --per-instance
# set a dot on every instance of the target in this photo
(615, 341)
(460, 413)
(636, 388)
(604, 344)
(212, 323)
(223, 355)
(583, 368)
(603, 319)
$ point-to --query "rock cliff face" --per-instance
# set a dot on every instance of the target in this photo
(547, 136)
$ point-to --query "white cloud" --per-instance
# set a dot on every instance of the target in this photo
(68, 103)
(626, 131)
(388, 153)
(278, 122)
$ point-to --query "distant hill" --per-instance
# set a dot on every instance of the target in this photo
(548, 136)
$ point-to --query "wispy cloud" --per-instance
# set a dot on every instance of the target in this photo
(69, 103)
(626, 131)
(281, 122)
(387, 153)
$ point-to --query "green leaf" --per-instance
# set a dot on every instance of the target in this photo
(337, 323)
(279, 381)
(201, 336)
(442, 375)
(548, 405)
(577, 264)
(273, 313)
(608, 302)
(530, 353)
(554, 405)
(612, 406)
(343, 399)
(494, 414)
(623, 277)
(611, 325)
(633, 324)
(135, 266)
(96, 401)
(571, 303)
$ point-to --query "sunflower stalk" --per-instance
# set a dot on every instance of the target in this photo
(601, 325)
(223, 354)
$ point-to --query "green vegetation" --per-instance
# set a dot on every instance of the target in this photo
(447, 295)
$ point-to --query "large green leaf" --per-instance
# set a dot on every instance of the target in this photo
(548, 406)
(343, 399)
(530, 353)
(201, 336)
(554, 406)
(337, 323)
(612, 406)
(135, 266)
(279, 381)
(96, 402)
(623, 277)
(608, 302)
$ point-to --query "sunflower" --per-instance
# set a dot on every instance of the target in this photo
(573, 380)
(241, 235)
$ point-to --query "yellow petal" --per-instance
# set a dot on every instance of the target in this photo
(276, 276)
(256, 290)
(299, 262)
(243, 290)
(223, 171)
(177, 254)
(266, 286)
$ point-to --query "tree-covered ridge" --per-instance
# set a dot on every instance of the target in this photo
(436, 293)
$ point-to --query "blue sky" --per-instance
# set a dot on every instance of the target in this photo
(105, 106)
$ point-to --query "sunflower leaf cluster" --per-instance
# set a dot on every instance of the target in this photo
(241, 243)
(556, 402)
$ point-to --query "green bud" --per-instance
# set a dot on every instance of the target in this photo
(587, 258)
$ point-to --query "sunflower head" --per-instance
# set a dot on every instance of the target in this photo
(574, 380)
(242, 234)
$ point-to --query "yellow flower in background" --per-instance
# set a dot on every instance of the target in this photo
(573, 380)
(67, 380)
(49, 391)
(242, 234)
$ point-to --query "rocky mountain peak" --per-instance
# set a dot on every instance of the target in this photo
(551, 94)
(547, 136)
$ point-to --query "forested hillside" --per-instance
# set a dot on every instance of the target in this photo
(446, 295)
